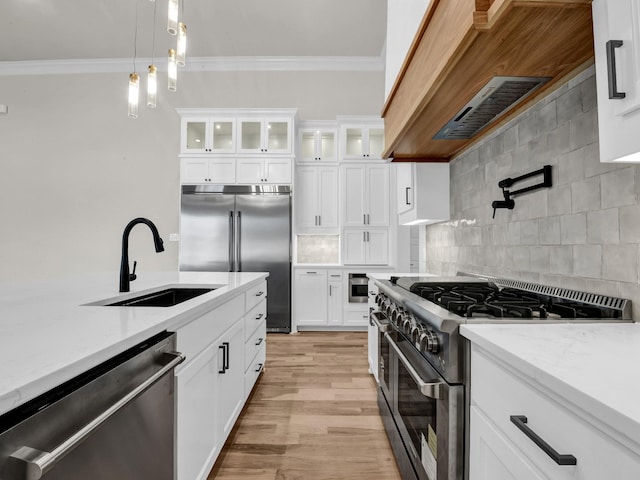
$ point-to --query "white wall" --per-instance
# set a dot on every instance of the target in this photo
(403, 20)
(74, 169)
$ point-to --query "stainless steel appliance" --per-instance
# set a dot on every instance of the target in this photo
(114, 421)
(241, 228)
(358, 288)
(423, 371)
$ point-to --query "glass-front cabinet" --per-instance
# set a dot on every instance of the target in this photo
(208, 135)
(317, 142)
(363, 142)
(264, 135)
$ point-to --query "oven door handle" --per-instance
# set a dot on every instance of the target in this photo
(428, 389)
(383, 327)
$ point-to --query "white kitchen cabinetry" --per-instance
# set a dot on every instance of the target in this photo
(365, 246)
(616, 29)
(230, 381)
(317, 199)
(317, 142)
(365, 191)
(336, 297)
(362, 139)
(265, 134)
(310, 296)
(207, 170)
(499, 449)
(207, 134)
(422, 193)
(263, 170)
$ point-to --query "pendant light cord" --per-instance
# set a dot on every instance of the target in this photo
(135, 39)
(153, 43)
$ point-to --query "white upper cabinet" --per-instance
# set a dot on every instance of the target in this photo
(208, 134)
(365, 246)
(616, 28)
(202, 169)
(317, 142)
(259, 170)
(271, 134)
(317, 199)
(365, 194)
(361, 138)
(422, 192)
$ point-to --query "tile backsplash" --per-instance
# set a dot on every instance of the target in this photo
(318, 249)
(582, 233)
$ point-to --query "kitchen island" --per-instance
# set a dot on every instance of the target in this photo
(48, 333)
(574, 385)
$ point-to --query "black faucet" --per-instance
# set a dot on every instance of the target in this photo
(125, 277)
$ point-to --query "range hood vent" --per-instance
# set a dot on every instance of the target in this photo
(495, 98)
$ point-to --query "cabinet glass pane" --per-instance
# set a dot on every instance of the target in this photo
(278, 134)
(308, 145)
(376, 142)
(354, 141)
(327, 142)
(250, 136)
(222, 135)
(195, 135)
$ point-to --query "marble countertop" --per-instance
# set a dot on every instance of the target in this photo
(48, 333)
(593, 366)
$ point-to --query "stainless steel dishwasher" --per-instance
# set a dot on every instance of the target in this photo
(115, 421)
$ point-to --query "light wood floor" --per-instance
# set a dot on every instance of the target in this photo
(312, 415)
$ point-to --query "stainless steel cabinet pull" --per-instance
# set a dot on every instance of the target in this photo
(238, 242)
(364, 236)
(367, 236)
(259, 316)
(520, 421)
(330, 289)
(311, 273)
(38, 463)
(259, 341)
(231, 243)
(428, 389)
(368, 219)
(319, 220)
(611, 69)
(364, 218)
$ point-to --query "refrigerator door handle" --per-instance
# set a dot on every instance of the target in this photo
(231, 242)
(238, 241)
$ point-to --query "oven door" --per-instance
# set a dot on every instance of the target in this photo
(429, 413)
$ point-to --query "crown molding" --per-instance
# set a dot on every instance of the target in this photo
(195, 64)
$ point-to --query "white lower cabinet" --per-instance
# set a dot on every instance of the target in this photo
(336, 298)
(310, 300)
(214, 382)
(501, 450)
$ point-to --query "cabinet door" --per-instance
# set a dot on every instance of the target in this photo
(377, 247)
(328, 199)
(196, 405)
(353, 247)
(375, 142)
(334, 306)
(250, 170)
(354, 142)
(250, 135)
(194, 170)
(327, 151)
(306, 197)
(308, 146)
(222, 170)
(404, 190)
(230, 378)
(310, 297)
(353, 188)
(377, 195)
(193, 136)
(277, 133)
(492, 456)
(223, 135)
(277, 170)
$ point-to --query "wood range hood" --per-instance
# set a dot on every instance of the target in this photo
(460, 47)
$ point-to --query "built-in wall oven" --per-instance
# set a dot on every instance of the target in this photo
(358, 288)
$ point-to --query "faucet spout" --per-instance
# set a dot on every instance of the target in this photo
(125, 276)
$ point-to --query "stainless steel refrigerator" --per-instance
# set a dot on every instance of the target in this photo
(241, 228)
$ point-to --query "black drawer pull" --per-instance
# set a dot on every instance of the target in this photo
(611, 46)
(520, 421)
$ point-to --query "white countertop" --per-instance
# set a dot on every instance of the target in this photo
(594, 366)
(48, 335)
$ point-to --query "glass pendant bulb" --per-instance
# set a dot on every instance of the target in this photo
(172, 17)
(134, 85)
(172, 69)
(152, 86)
(181, 52)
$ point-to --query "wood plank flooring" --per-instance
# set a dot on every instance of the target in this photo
(312, 415)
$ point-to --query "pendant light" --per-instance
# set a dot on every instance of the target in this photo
(181, 50)
(152, 76)
(172, 17)
(134, 90)
(172, 70)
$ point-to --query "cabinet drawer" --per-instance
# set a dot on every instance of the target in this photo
(193, 337)
(254, 295)
(357, 317)
(254, 319)
(500, 393)
(253, 372)
(255, 343)
(333, 275)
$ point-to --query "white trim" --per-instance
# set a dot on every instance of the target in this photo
(195, 64)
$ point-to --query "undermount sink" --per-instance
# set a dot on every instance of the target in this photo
(162, 298)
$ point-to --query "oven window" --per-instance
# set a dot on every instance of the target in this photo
(360, 290)
(419, 417)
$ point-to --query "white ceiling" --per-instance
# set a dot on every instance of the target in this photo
(38, 30)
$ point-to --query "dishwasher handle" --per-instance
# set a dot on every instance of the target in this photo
(38, 463)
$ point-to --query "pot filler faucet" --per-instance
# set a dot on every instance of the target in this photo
(125, 276)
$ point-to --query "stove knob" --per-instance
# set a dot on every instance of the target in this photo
(407, 325)
(429, 342)
(380, 298)
(416, 331)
